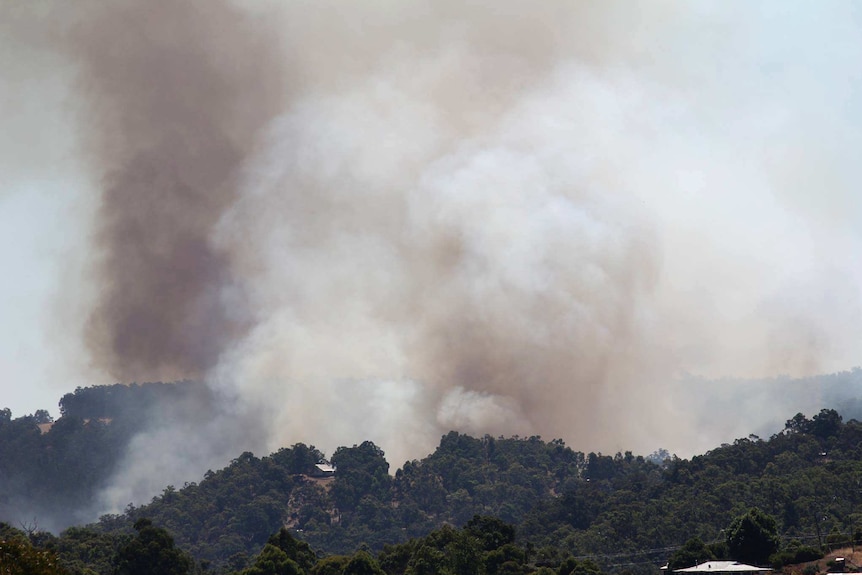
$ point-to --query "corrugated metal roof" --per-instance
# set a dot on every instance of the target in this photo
(723, 567)
(324, 468)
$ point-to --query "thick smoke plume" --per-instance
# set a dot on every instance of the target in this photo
(498, 217)
(177, 93)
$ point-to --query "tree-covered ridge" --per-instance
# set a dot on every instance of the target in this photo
(226, 517)
(20, 556)
(622, 510)
(129, 401)
(807, 477)
(484, 546)
(55, 476)
(53, 470)
(232, 512)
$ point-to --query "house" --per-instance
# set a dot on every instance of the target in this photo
(323, 470)
(723, 567)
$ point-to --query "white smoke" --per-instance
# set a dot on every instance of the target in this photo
(539, 235)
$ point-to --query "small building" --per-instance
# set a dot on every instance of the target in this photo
(723, 567)
(323, 470)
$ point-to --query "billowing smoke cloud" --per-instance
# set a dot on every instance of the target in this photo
(488, 269)
(177, 92)
(173, 95)
(497, 217)
(533, 220)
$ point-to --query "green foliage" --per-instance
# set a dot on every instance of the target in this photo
(230, 515)
(19, 557)
(295, 550)
(298, 459)
(492, 533)
(273, 561)
(42, 416)
(283, 554)
(152, 551)
(794, 553)
(32, 553)
(362, 564)
(333, 565)
(572, 566)
(838, 539)
(483, 547)
(126, 401)
(826, 424)
(55, 476)
(362, 472)
(86, 550)
(692, 553)
(752, 538)
(563, 502)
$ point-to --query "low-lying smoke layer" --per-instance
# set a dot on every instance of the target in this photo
(496, 217)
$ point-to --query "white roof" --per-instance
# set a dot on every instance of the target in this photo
(325, 467)
(722, 567)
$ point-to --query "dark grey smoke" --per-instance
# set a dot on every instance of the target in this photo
(177, 92)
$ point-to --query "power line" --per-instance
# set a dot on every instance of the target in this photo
(603, 557)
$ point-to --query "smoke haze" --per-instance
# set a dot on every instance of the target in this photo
(386, 220)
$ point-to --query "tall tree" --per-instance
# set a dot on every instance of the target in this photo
(694, 551)
(18, 556)
(151, 552)
(752, 537)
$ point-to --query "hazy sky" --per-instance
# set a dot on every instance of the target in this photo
(44, 206)
(714, 145)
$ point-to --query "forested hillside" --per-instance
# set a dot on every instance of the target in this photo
(624, 512)
(807, 477)
(51, 472)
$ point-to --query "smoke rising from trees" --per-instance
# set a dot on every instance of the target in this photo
(387, 220)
